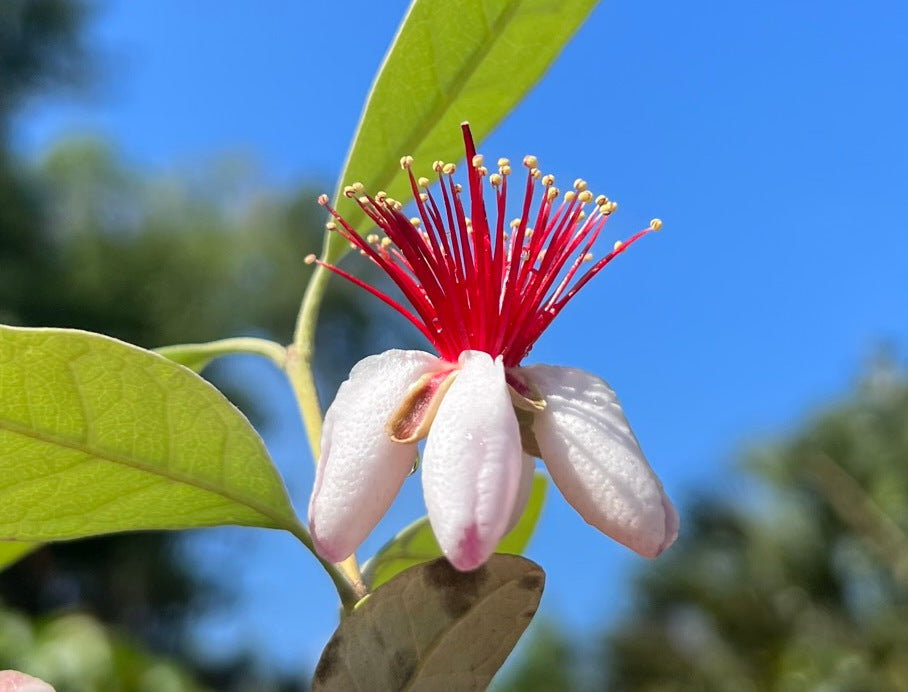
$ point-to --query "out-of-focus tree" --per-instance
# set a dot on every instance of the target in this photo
(805, 588)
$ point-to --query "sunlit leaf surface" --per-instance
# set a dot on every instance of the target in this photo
(11, 551)
(99, 436)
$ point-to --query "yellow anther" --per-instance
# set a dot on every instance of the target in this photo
(372, 238)
(437, 166)
(482, 170)
(423, 197)
(536, 173)
(656, 224)
(423, 182)
(505, 170)
(406, 162)
(381, 197)
(588, 257)
(586, 197)
(530, 161)
(617, 246)
(352, 246)
(548, 180)
(397, 206)
(569, 196)
(309, 259)
(477, 160)
(358, 188)
(551, 193)
(416, 221)
(363, 200)
(331, 226)
(528, 233)
(514, 223)
(600, 200)
(502, 163)
(385, 242)
(449, 169)
(580, 185)
(581, 215)
(349, 191)
(495, 179)
(458, 188)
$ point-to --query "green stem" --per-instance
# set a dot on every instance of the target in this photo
(350, 594)
(225, 347)
(302, 378)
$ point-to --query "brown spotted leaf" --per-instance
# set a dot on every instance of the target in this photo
(433, 628)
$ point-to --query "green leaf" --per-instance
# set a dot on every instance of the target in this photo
(196, 357)
(450, 61)
(433, 628)
(11, 551)
(417, 544)
(99, 436)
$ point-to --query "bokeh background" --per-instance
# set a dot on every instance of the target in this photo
(159, 163)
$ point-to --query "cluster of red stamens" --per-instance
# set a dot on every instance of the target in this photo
(473, 286)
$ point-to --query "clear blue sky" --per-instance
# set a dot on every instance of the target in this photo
(770, 137)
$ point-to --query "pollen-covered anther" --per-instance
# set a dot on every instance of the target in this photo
(477, 161)
(331, 226)
(530, 161)
(309, 259)
(586, 196)
(552, 193)
(617, 246)
(600, 200)
(536, 173)
(482, 170)
(569, 196)
(358, 188)
(588, 257)
(416, 221)
(323, 200)
(656, 224)
(423, 182)
(580, 185)
(423, 197)
(548, 180)
(458, 188)
(504, 163)
(406, 162)
(514, 223)
(505, 170)
(386, 242)
(349, 191)
(495, 179)
(437, 166)
(449, 168)
(372, 238)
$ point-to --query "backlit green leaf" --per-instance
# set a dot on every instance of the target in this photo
(11, 551)
(433, 628)
(99, 436)
(451, 61)
(417, 544)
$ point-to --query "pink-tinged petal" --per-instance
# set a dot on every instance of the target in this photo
(527, 471)
(596, 462)
(362, 469)
(472, 462)
(14, 681)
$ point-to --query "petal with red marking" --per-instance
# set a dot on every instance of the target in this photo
(472, 462)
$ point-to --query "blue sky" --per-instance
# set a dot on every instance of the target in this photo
(770, 137)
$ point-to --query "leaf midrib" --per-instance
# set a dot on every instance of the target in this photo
(280, 521)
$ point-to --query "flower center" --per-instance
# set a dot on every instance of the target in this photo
(474, 284)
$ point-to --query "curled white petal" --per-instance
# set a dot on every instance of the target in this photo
(362, 469)
(596, 462)
(14, 681)
(524, 488)
(472, 462)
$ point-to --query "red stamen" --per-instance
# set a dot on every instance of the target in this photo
(473, 287)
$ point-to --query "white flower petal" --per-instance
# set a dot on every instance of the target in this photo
(361, 469)
(596, 461)
(527, 471)
(472, 462)
(14, 681)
